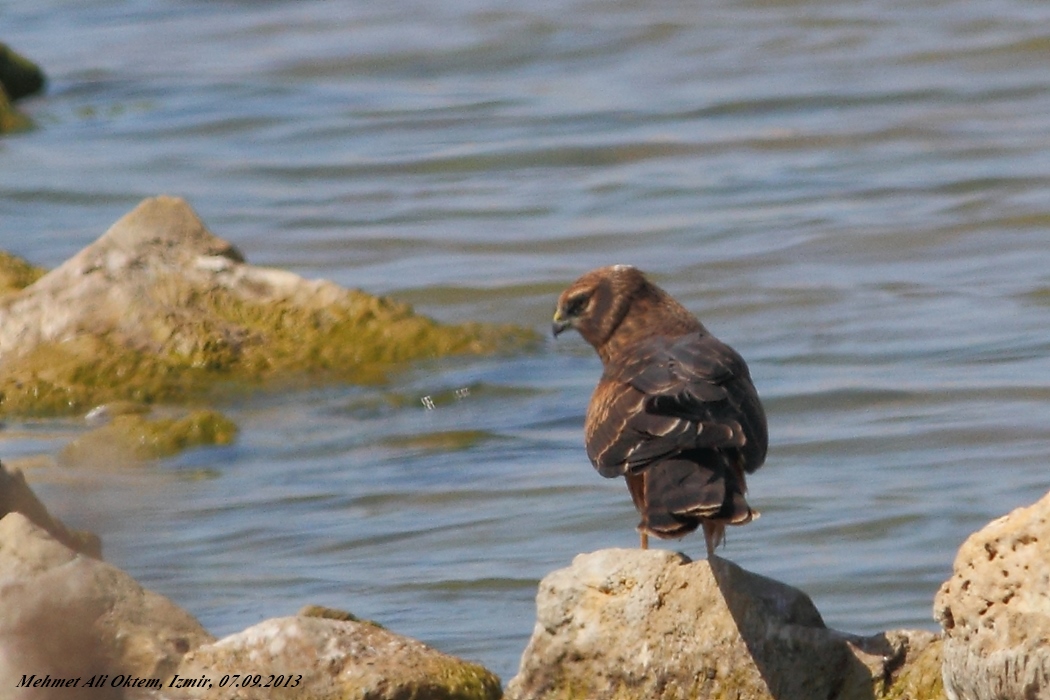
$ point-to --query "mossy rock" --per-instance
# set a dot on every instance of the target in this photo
(920, 678)
(16, 274)
(135, 437)
(159, 310)
(333, 657)
(895, 665)
(19, 77)
(333, 614)
(10, 118)
(924, 681)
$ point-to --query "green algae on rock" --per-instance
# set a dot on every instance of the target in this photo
(135, 437)
(334, 658)
(16, 274)
(10, 118)
(445, 441)
(19, 77)
(921, 677)
(327, 613)
(160, 310)
(896, 665)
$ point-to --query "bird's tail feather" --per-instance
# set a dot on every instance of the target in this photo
(679, 494)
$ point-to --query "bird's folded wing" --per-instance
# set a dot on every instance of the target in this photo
(670, 396)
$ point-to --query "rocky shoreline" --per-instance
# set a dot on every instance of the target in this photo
(615, 625)
(159, 315)
(160, 310)
(174, 311)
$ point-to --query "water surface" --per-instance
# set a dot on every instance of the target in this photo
(852, 195)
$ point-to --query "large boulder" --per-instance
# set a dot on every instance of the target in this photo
(67, 616)
(311, 657)
(995, 610)
(624, 624)
(73, 626)
(160, 310)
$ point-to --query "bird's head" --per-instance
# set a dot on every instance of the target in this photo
(597, 302)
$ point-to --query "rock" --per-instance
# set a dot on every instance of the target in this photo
(316, 658)
(16, 274)
(903, 665)
(160, 310)
(995, 610)
(66, 616)
(73, 618)
(133, 437)
(10, 118)
(332, 614)
(622, 624)
(19, 77)
(17, 497)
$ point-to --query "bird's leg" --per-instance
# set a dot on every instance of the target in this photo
(636, 484)
(713, 534)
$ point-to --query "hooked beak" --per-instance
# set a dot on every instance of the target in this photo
(560, 323)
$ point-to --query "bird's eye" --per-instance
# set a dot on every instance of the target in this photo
(576, 305)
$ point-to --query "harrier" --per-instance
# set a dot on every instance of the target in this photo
(674, 412)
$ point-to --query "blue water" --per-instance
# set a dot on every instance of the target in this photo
(852, 195)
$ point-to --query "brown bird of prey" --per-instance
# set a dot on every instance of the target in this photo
(674, 412)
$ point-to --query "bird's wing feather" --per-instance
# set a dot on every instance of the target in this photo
(672, 395)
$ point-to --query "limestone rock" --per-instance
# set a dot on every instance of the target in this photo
(17, 497)
(995, 610)
(68, 616)
(160, 310)
(317, 658)
(624, 624)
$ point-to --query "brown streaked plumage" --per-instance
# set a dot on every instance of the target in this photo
(674, 412)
